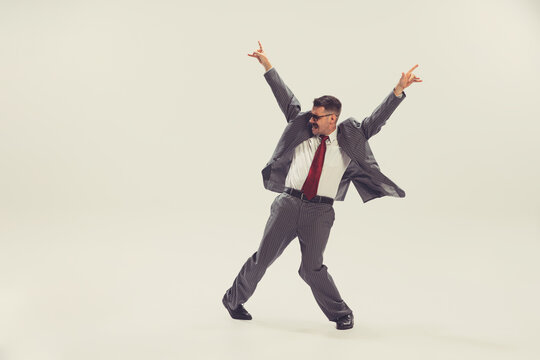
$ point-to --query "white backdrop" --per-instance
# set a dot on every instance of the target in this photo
(133, 133)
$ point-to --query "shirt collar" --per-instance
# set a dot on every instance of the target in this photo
(333, 136)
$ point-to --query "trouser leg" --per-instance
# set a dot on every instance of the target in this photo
(280, 230)
(314, 226)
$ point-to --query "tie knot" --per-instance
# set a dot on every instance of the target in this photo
(323, 138)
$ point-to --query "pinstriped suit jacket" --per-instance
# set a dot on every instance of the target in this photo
(352, 137)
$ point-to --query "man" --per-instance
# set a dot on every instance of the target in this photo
(313, 164)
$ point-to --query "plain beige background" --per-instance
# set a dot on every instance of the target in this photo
(132, 136)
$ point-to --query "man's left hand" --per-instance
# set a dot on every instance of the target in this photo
(406, 80)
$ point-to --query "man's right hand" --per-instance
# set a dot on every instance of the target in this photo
(261, 56)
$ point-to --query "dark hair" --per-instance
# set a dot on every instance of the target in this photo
(329, 102)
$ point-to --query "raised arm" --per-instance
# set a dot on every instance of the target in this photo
(373, 123)
(289, 104)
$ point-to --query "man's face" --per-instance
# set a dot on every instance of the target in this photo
(324, 125)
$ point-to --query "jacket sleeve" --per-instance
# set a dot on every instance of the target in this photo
(373, 123)
(288, 103)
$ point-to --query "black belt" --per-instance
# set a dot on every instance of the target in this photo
(316, 199)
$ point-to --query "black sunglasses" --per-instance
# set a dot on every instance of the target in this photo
(317, 117)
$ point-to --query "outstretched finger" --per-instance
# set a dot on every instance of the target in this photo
(414, 67)
(260, 46)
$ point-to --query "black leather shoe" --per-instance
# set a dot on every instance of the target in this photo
(239, 313)
(345, 322)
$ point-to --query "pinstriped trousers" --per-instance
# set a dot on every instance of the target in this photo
(291, 217)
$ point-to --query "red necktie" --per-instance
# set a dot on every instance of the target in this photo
(312, 182)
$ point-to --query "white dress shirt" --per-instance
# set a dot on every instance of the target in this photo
(335, 164)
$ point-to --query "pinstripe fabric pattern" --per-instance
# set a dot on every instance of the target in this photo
(363, 171)
(289, 218)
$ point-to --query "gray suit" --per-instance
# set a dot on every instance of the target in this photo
(352, 137)
(291, 217)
